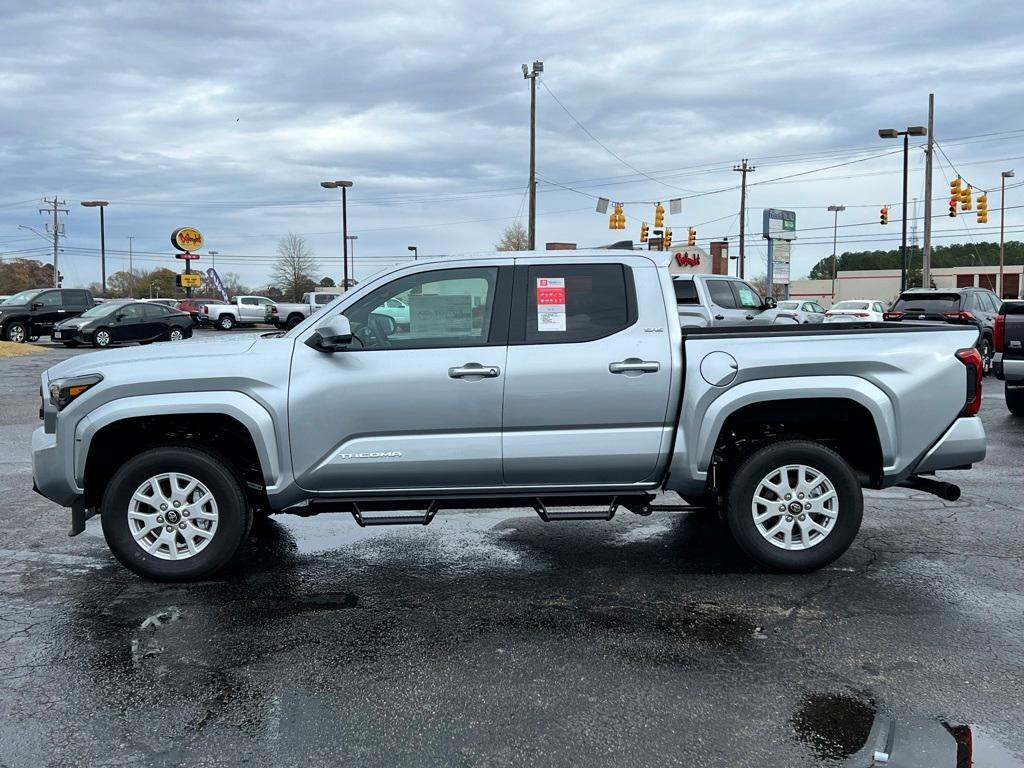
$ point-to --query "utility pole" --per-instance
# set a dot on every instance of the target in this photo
(532, 75)
(54, 207)
(131, 270)
(744, 168)
(1002, 217)
(926, 257)
(213, 258)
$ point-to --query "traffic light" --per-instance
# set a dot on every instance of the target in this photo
(691, 237)
(983, 208)
(659, 215)
(667, 241)
(965, 198)
(643, 232)
(954, 187)
(883, 215)
(618, 219)
(952, 206)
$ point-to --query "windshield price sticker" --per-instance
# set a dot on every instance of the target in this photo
(550, 303)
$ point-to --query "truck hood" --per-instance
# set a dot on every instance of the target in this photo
(178, 353)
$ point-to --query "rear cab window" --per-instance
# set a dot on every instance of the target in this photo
(686, 292)
(577, 302)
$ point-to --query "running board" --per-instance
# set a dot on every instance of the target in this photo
(366, 518)
(550, 515)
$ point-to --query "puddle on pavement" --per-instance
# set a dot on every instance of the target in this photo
(977, 748)
(833, 725)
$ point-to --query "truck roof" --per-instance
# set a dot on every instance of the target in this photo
(660, 258)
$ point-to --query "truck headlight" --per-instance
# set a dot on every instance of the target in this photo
(63, 391)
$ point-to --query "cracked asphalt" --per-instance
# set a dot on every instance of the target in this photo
(491, 638)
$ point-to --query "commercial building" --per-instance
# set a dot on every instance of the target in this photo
(884, 284)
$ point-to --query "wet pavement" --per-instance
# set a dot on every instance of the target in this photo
(492, 638)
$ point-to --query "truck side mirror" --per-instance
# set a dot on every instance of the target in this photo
(770, 303)
(333, 336)
(37, 305)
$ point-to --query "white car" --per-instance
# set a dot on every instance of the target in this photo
(856, 311)
(397, 310)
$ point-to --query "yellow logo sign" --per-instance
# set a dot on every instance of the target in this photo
(187, 239)
(190, 280)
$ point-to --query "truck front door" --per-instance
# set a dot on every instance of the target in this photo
(589, 375)
(408, 409)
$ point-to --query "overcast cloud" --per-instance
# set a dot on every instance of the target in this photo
(226, 116)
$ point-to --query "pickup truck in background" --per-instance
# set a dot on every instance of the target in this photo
(711, 301)
(1009, 353)
(560, 381)
(241, 310)
(35, 312)
(288, 315)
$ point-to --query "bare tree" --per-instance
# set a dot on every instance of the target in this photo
(514, 238)
(296, 265)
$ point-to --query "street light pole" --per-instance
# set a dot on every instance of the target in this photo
(415, 252)
(1002, 215)
(532, 75)
(835, 257)
(344, 185)
(213, 259)
(892, 133)
(101, 204)
(353, 238)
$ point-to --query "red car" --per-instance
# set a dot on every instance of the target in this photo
(195, 307)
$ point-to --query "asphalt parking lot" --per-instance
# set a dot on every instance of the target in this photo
(493, 638)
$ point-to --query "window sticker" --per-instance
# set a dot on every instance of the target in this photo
(550, 303)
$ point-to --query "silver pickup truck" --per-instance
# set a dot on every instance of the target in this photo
(560, 381)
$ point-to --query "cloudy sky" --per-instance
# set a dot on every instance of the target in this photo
(227, 115)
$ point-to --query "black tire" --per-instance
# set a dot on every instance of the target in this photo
(16, 331)
(1015, 399)
(292, 321)
(985, 348)
(739, 509)
(233, 512)
(225, 322)
(101, 341)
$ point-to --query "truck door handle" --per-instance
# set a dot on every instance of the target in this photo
(634, 365)
(719, 317)
(750, 317)
(474, 370)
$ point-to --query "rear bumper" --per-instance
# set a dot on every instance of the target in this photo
(1009, 370)
(961, 445)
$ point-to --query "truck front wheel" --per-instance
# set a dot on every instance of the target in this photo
(794, 506)
(175, 514)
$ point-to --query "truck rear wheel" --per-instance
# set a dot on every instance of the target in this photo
(794, 506)
(225, 322)
(1015, 399)
(175, 514)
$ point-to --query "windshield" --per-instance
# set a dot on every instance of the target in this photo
(928, 303)
(102, 309)
(22, 298)
(851, 305)
(789, 305)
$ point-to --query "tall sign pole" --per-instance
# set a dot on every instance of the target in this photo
(744, 169)
(532, 75)
(926, 258)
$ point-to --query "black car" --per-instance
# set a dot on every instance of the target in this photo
(116, 321)
(960, 306)
(36, 311)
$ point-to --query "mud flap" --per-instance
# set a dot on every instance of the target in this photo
(79, 514)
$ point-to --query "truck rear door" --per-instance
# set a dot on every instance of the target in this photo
(588, 374)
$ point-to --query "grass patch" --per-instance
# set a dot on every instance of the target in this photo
(10, 349)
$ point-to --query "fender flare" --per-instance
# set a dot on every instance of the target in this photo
(244, 409)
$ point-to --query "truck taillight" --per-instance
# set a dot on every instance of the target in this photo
(999, 332)
(972, 359)
(206, 309)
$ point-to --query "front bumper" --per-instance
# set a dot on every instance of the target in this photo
(962, 444)
(60, 335)
(50, 471)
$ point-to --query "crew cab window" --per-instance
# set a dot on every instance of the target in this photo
(747, 296)
(579, 302)
(721, 294)
(49, 299)
(686, 292)
(440, 308)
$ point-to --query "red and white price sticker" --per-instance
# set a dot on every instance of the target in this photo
(550, 303)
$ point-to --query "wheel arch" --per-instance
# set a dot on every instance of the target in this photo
(230, 423)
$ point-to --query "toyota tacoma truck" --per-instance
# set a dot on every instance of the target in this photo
(557, 381)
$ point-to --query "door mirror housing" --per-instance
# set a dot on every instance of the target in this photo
(37, 305)
(770, 303)
(334, 335)
(120, 316)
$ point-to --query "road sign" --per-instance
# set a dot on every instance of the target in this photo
(187, 256)
(779, 224)
(189, 280)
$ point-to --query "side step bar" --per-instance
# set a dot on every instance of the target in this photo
(389, 518)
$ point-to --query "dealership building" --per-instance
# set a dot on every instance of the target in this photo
(884, 284)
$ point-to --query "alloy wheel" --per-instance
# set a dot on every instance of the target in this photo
(173, 516)
(795, 507)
